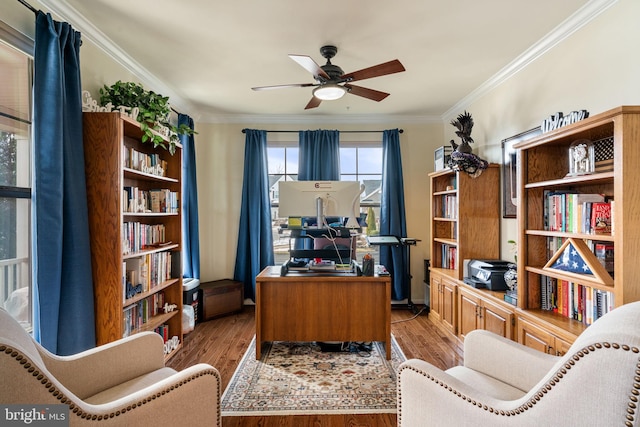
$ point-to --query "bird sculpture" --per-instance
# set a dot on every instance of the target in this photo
(464, 124)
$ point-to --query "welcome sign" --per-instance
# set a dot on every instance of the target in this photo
(559, 120)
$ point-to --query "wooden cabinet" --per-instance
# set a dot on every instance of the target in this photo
(443, 299)
(480, 310)
(542, 338)
(543, 166)
(465, 224)
(133, 192)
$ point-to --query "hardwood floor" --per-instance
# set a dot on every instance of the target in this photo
(222, 343)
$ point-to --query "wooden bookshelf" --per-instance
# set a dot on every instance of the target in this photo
(464, 224)
(543, 165)
(108, 140)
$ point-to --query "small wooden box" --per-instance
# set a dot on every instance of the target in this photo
(220, 297)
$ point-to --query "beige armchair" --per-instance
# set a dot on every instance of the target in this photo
(502, 383)
(124, 383)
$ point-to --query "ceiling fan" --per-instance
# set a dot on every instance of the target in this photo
(333, 83)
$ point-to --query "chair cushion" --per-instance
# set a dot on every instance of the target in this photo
(129, 387)
(486, 384)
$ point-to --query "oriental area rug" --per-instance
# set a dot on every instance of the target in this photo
(301, 378)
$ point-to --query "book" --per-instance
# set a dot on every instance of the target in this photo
(604, 253)
(601, 218)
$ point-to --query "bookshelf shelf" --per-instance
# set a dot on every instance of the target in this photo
(139, 297)
(151, 251)
(543, 165)
(156, 321)
(547, 233)
(133, 173)
(134, 214)
(591, 282)
(569, 181)
(113, 144)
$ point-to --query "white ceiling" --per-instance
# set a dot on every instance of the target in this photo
(207, 54)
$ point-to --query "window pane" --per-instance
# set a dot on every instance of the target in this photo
(15, 83)
(15, 157)
(348, 160)
(275, 160)
(15, 269)
(292, 162)
(370, 160)
(15, 175)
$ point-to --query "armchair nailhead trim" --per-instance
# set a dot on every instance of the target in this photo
(632, 407)
(25, 362)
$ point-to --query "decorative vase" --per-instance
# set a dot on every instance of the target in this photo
(511, 280)
(511, 277)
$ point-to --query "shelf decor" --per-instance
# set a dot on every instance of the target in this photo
(575, 259)
(581, 157)
(148, 108)
(462, 158)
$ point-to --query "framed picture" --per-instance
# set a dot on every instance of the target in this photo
(510, 173)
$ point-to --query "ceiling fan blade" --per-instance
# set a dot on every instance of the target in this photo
(310, 65)
(364, 92)
(390, 67)
(313, 103)
(283, 86)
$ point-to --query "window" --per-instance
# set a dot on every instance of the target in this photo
(16, 67)
(358, 162)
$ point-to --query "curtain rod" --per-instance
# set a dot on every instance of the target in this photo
(342, 131)
(28, 6)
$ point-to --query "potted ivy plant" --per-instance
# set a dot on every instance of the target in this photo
(153, 115)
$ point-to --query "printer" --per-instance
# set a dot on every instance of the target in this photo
(486, 273)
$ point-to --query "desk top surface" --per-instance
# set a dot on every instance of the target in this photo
(272, 272)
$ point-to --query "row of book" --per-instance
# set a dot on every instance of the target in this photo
(136, 315)
(136, 200)
(582, 303)
(577, 212)
(148, 271)
(143, 162)
(137, 236)
(449, 206)
(449, 256)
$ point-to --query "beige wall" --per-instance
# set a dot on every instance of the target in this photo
(596, 68)
(220, 154)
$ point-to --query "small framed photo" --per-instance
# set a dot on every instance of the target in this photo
(510, 173)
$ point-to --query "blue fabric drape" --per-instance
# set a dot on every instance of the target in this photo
(63, 289)
(319, 155)
(190, 227)
(255, 239)
(392, 214)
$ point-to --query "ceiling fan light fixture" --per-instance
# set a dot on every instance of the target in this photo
(329, 92)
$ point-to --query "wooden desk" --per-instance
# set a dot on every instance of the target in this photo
(321, 307)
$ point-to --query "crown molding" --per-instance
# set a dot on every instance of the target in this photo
(318, 118)
(63, 10)
(573, 23)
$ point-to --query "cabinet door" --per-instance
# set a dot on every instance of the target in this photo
(468, 312)
(560, 347)
(449, 291)
(497, 319)
(533, 336)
